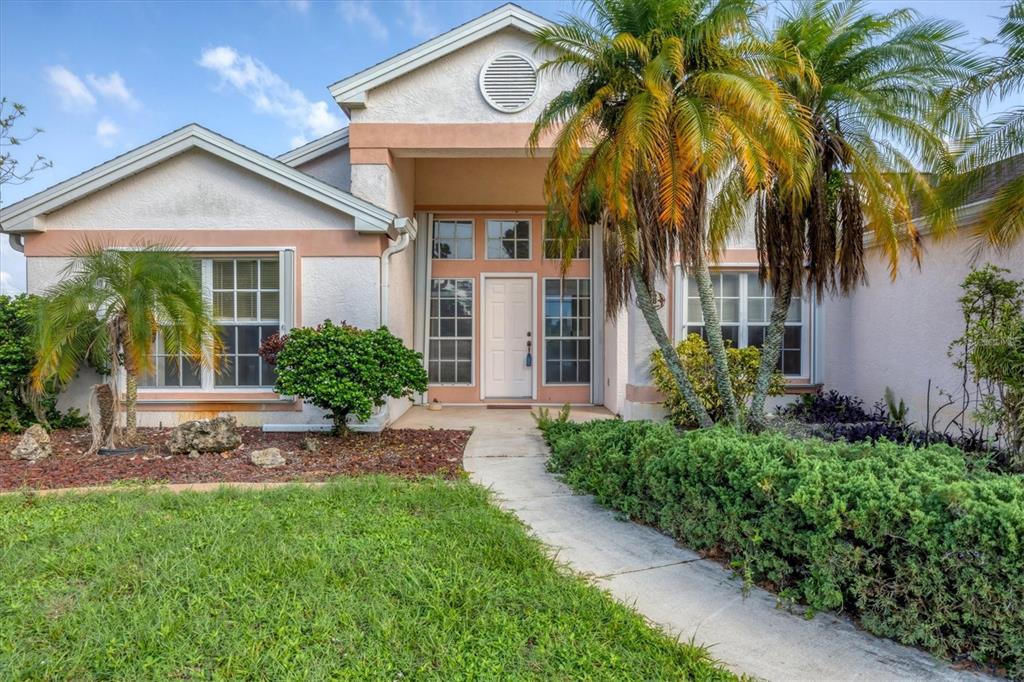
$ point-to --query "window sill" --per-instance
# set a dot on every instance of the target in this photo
(216, 401)
(218, 396)
(801, 388)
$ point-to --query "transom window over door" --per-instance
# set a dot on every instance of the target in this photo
(453, 240)
(744, 309)
(246, 307)
(450, 354)
(567, 331)
(508, 239)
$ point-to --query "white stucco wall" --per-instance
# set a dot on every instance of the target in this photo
(393, 187)
(340, 289)
(447, 90)
(616, 362)
(42, 272)
(196, 191)
(334, 168)
(897, 333)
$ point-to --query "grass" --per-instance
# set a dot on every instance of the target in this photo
(366, 578)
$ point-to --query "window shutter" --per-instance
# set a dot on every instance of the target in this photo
(287, 260)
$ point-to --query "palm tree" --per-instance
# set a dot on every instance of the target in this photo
(109, 306)
(1002, 223)
(873, 87)
(670, 94)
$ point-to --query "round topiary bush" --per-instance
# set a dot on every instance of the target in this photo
(346, 370)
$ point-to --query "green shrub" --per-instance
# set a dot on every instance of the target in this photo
(907, 540)
(991, 353)
(344, 370)
(17, 356)
(696, 359)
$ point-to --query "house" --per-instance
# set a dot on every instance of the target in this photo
(426, 214)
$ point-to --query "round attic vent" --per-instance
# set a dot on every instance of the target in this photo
(508, 82)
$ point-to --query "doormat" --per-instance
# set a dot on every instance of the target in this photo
(523, 406)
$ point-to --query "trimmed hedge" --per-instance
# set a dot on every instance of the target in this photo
(907, 540)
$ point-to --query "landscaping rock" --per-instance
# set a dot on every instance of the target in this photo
(311, 445)
(206, 435)
(268, 458)
(34, 444)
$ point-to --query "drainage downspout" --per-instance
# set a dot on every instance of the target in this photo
(406, 228)
(17, 242)
(406, 232)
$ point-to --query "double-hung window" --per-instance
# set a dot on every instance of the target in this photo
(247, 296)
(567, 331)
(744, 308)
(247, 309)
(450, 357)
(553, 245)
(169, 369)
(453, 240)
(508, 239)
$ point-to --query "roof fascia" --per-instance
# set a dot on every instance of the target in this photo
(367, 217)
(315, 149)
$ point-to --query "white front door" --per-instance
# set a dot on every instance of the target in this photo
(508, 317)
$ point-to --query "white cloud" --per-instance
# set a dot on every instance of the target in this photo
(73, 93)
(360, 12)
(420, 23)
(7, 286)
(299, 5)
(107, 132)
(112, 86)
(269, 93)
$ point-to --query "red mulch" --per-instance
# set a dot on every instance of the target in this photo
(405, 453)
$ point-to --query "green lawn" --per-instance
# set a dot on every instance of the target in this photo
(364, 578)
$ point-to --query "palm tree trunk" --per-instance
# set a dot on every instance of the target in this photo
(645, 301)
(716, 346)
(131, 397)
(770, 350)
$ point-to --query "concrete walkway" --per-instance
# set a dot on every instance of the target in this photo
(672, 586)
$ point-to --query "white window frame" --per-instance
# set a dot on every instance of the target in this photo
(544, 334)
(529, 239)
(472, 328)
(286, 303)
(682, 328)
(544, 245)
(472, 238)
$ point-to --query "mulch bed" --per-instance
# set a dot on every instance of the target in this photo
(406, 453)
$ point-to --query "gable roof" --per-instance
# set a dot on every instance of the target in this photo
(18, 217)
(351, 92)
(315, 149)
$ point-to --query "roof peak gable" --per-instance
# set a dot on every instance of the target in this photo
(351, 92)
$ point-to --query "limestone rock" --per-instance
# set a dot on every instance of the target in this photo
(206, 435)
(268, 458)
(34, 444)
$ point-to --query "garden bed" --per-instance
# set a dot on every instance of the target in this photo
(405, 453)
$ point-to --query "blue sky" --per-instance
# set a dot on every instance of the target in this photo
(104, 77)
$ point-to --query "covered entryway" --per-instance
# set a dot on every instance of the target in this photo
(508, 337)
